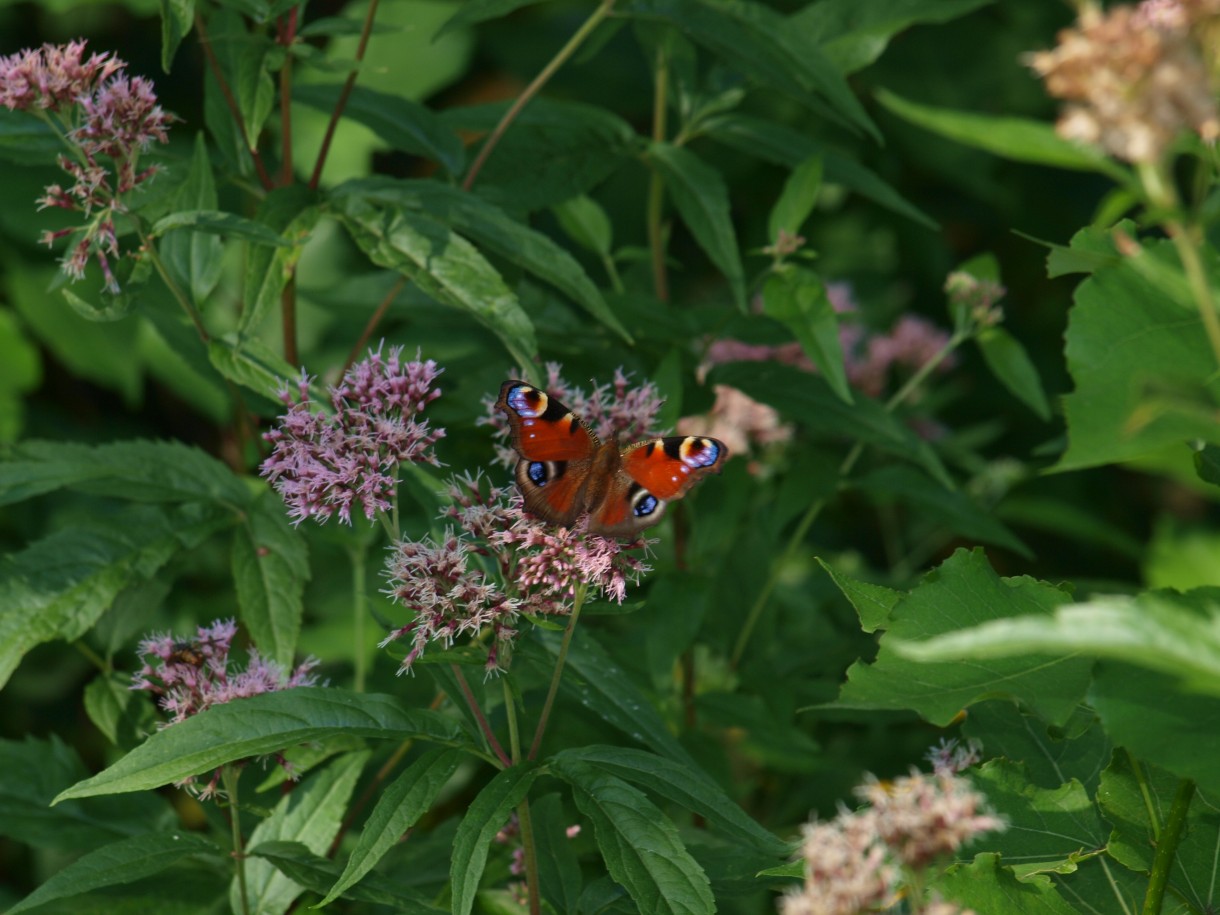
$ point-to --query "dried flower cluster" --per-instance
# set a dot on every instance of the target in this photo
(857, 861)
(496, 565)
(1134, 77)
(325, 464)
(101, 114)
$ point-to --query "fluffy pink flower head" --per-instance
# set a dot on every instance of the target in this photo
(737, 420)
(325, 464)
(847, 869)
(53, 76)
(496, 565)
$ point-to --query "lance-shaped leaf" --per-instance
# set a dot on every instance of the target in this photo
(291, 213)
(260, 725)
(485, 816)
(316, 873)
(797, 297)
(443, 264)
(193, 258)
(216, 222)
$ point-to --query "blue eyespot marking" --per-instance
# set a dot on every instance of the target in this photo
(526, 401)
(537, 473)
(700, 452)
(645, 506)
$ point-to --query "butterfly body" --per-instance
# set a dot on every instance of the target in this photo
(566, 473)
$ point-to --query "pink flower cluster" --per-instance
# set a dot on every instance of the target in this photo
(857, 861)
(99, 112)
(190, 675)
(497, 565)
(324, 464)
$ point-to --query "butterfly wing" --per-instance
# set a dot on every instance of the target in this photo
(650, 475)
(556, 451)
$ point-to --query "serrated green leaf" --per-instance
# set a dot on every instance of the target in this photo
(290, 213)
(797, 298)
(489, 226)
(58, 587)
(559, 875)
(702, 199)
(1019, 139)
(120, 862)
(403, 123)
(797, 199)
(310, 815)
(963, 592)
(485, 816)
(807, 399)
(260, 725)
(872, 603)
(986, 886)
(759, 42)
(270, 567)
(444, 265)
(1010, 364)
(680, 783)
(400, 806)
(254, 366)
(1051, 755)
(219, 223)
(640, 845)
(139, 471)
(316, 873)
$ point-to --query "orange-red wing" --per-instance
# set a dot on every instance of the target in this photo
(668, 467)
(542, 428)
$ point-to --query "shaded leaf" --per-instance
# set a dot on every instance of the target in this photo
(218, 223)
(486, 816)
(872, 603)
(797, 298)
(291, 213)
(1010, 364)
(797, 199)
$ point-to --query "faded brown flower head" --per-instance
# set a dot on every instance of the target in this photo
(1135, 78)
(846, 869)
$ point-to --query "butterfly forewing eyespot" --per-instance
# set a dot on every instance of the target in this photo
(526, 402)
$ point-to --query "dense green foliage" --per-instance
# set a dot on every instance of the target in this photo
(1004, 533)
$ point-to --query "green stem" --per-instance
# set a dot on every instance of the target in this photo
(1146, 793)
(93, 657)
(230, 774)
(344, 94)
(151, 249)
(359, 556)
(594, 20)
(577, 603)
(1167, 847)
(531, 856)
(656, 186)
(488, 734)
(815, 509)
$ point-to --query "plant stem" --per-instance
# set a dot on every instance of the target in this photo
(488, 734)
(586, 29)
(526, 822)
(359, 554)
(815, 509)
(1167, 847)
(656, 187)
(230, 776)
(150, 248)
(577, 603)
(363, 341)
(344, 95)
(288, 315)
(287, 28)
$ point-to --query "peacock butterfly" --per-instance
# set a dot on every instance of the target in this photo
(566, 473)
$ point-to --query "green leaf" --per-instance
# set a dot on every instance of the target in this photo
(586, 223)
(316, 873)
(1207, 463)
(120, 862)
(680, 783)
(259, 725)
(290, 213)
(58, 587)
(1168, 632)
(601, 685)
(761, 44)
(310, 815)
(1007, 359)
(33, 771)
(219, 223)
(702, 199)
(1051, 755)
(1145, 375)
(139, 471)
(444, 265)
(270, 567)
(474, 11)
(962, 592)
(985, 886)
(955, 510)
(485, 816)
(788, 147)
(807, 399)
(177, 17)
(872, 603)
(194, 258)
(640, 845)
(20, 373)
(559, 876)
(797, 298)
(1019, 139)
(403, 123)
(489, 226)
(254, 366)
(400, 806)
(797, 199)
